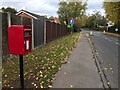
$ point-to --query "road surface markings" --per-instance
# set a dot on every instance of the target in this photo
(116, 40)
(105, 68)
(65, 73)
(111, 69)
(112, 40)
(101, 72)
(117, 43)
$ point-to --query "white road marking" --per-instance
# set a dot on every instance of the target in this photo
(110, 40)
(117, 43)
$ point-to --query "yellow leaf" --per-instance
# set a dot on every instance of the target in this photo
(108, 82)
(49, 86)
(37, 78)
(41, 86)
(71, 86)
(40, 72)
(65, 73)
(34, 85)
(5, 75)
(41, 75)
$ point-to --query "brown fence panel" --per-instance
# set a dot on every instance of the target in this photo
(66, 29)
(27, 22)
(58, 30)
(53, 30)
(16, 20)
(38, 27)
(48, 31)
(62, 29)
(5, 50)
(0, 37)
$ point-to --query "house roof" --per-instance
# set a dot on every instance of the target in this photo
(35, 16)
(56, 20)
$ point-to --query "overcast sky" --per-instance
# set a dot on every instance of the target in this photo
(47, 7)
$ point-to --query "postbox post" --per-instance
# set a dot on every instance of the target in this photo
(21, 71)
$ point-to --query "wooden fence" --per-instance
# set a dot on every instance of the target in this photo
(54, 30)
(43, 31)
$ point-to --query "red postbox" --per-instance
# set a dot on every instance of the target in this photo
(19, 39)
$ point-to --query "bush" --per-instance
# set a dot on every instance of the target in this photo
(76, 27)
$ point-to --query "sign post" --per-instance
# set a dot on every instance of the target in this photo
(71, 23)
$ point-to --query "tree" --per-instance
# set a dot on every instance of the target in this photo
(10, 10)
(83, 21)
(112, 10)
(71, 10)
(90, 21)
(99, 19)
(96, 21)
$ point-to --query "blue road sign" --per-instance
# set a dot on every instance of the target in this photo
(72, 21)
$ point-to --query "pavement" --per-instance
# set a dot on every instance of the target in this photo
(80, 71)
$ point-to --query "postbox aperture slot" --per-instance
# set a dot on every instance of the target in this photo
(27, 33)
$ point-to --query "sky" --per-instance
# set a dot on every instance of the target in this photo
(47, 7)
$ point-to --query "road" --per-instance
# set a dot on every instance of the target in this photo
(107, 50)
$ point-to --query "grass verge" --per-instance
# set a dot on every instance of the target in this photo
(41, 65)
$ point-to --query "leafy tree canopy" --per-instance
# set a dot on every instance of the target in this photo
(96, 19)
(10, 10)
(71, 10)
(112, 10)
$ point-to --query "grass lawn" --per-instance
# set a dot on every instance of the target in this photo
(41, 65)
